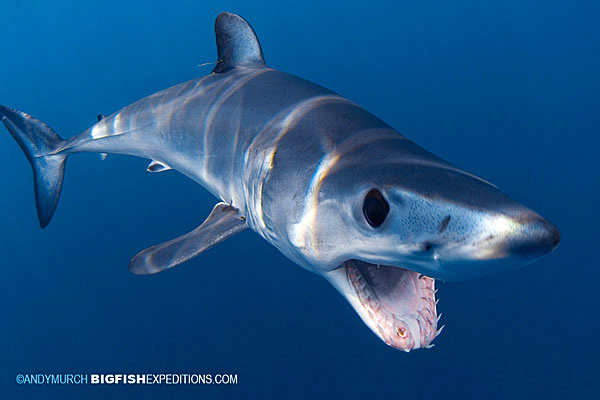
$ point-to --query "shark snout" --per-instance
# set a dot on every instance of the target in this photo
(490, 242)
(533, 237)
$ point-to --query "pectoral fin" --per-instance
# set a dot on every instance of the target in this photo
(224, 221)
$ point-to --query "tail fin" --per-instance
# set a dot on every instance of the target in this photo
(39, 141)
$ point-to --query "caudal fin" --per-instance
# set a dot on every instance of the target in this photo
(39, 142)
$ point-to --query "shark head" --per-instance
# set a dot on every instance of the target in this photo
(383, 219)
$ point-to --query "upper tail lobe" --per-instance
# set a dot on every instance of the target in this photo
(38, 141)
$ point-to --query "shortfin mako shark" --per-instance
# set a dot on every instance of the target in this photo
(334, 188)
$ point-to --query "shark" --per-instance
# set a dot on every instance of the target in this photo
(331, 186)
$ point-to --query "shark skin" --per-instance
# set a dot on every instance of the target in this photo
(334, 188)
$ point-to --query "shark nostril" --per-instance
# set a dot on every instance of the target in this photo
(444, 223)
(427, 247)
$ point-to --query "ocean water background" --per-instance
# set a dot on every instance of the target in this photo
(508, 90)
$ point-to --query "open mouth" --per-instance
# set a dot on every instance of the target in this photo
(399, 304)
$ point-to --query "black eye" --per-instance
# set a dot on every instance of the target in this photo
(375, 208)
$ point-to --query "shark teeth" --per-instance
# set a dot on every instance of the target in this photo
(437, 333)
(400, 303)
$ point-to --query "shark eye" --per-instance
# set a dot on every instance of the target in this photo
(375, 208)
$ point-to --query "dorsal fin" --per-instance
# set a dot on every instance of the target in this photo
(237, 43)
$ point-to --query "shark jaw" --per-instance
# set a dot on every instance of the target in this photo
(398, 304)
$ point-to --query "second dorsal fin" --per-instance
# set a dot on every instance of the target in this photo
(237, 43)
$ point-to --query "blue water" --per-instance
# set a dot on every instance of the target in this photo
(508, 90)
